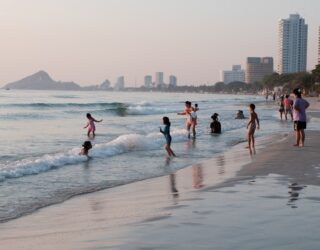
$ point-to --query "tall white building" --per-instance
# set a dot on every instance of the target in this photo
(159, 79)
(234, 75)
(292, 47)
(173, 81)
(119, 85)
(148, 81)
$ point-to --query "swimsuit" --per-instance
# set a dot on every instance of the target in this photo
(166, 133)
(91, 127)
(253, 125)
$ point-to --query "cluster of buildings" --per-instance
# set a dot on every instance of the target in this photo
(118, 85)
(158, 82)
(292, 54)
(149, 82)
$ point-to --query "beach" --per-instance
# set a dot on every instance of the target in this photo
(219, 204)
(232, 201)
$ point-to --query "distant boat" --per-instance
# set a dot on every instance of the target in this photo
(7, 88)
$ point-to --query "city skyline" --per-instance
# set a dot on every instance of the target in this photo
(88, 42)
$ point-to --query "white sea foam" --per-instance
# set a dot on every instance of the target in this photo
(147, 110)
(39, 165)
(121, 145)
(135, 142)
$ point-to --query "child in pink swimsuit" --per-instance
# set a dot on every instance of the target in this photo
(90, 125)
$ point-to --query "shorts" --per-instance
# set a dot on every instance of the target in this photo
(168, 140)
(288, 110)
(298, 125)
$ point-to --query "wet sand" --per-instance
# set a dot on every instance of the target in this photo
(234, 201)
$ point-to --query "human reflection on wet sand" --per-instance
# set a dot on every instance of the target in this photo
(294, 189)
(197, 176)
(172, 180)
(191, 144)
(174, 190)
(221, 161)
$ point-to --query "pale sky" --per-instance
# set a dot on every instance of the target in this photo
(88, 41)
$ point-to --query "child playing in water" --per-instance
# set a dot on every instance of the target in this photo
(91, 127)
(251, 126)
(215, 124)
(166, 133)
(86, 146)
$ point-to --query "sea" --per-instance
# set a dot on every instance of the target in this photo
(42, 133)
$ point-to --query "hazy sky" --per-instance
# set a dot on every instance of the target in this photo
(88, 41)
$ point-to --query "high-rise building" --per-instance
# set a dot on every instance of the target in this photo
(173, 81)
(159, 79)
(119, 85)
(148, 81)
(257, 68)
(292, 47)
(234, 75)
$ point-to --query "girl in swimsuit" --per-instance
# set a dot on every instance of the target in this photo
(90, 125)
(251, 126)
(166, 133)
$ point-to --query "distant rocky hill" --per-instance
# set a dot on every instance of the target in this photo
(41, 81)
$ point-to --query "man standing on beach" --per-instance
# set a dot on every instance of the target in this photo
(299, 116)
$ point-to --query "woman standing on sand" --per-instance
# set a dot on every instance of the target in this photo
(300, 118)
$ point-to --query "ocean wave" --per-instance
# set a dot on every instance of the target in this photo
(122, 144)
(63, 105)
(118, 108)
(25, 116)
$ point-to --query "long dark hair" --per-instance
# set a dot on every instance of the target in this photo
(89, 115)
(297, 92)
(166, 121)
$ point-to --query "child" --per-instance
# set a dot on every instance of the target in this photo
(166, 133)
(281, 104)
(86, 146)
(240, 115)
(91, 127)
(215, 125)
(251, 126)
(288, 107)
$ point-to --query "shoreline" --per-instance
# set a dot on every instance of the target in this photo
(108, 218)
(158, 192)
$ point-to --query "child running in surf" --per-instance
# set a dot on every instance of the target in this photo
(253, 123)
(166, 133)
(90, 125)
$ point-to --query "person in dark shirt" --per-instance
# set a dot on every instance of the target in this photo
(215, 124)
(166, 133)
